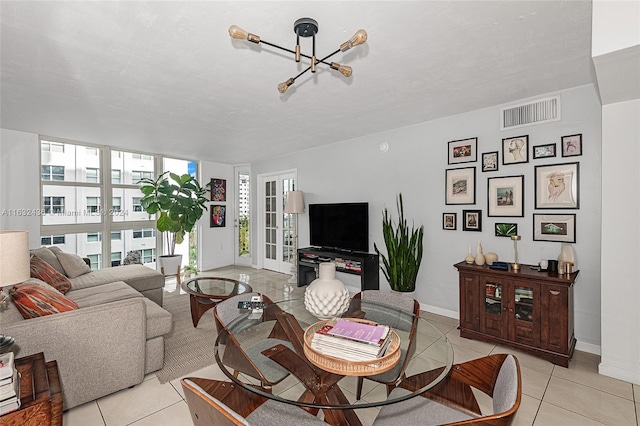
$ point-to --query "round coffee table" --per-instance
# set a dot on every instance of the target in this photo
(206, 292)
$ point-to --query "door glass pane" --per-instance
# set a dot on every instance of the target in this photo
(493, 298)
(244, 243)
(270, 223)
(288, 223)
(524, 303)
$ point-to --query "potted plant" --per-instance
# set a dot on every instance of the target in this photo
(404, 251)
(190, 269)
(180, 202)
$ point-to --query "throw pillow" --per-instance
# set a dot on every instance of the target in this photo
(41, 283)
(35, 301)
(73, 265)
(45, 272)
(48, 255)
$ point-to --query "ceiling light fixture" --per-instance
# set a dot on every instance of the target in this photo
(305, 27)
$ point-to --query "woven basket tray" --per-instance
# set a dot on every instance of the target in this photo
(351, 368)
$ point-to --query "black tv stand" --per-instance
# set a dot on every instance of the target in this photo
(366, 265)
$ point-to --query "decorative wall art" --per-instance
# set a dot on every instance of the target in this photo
(472, 220)
(463, 151)
(544, 151)
(490, 161)
(449, 221)
(557, 186)
(460, 186)
(218, 190)
(571, 145)
(218, 216)
(506, 229)
(515, 150)
(554, 227)
(506, 196)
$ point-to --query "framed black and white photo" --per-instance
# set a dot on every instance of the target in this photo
(506, 196)
(472, 220)
(506, 229)
(460, 186)
(544, 151)
(490, 161)
(571, 145)
(515, 150)
(554, 227)
(463, 151)
(557, 186)
(449, 221)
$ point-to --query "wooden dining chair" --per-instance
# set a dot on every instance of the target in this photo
(248, 358)
(213, 402)
(406, 321)
(452, 401)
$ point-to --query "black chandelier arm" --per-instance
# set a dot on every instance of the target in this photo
(301, 54)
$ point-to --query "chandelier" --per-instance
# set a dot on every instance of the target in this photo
(305, 27)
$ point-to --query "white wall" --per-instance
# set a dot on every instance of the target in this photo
(415, 164)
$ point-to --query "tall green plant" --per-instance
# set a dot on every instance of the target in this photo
(404, 250)
(179, 200)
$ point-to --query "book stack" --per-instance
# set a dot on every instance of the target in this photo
(9, 384)
(352, 340)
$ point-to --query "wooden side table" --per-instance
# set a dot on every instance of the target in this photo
(40, 394)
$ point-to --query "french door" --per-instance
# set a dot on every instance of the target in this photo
(241, 226)
(277, 227)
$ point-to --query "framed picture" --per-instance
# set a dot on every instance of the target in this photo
(460, 186)
(572, 145)
(472, 220)
(506, 196)
(557, 186)
(218, 189)
(218, 216)
(506, 229)
(554, 227)
(515, 150)
(544, 151)
(449, 221)
(490, 161)
(463, 151)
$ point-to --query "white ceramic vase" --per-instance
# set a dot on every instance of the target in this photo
(326, 297)
(480, 260)
(470, 259)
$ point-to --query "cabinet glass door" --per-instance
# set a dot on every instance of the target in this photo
(493, 298)
(523, 303)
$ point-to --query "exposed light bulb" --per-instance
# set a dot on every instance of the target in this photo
(358, 38)
(343, 69)
(282, 87)
(240, 34)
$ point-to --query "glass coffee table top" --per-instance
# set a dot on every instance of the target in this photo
(206, 292)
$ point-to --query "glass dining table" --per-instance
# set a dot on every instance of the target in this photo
(279, 334)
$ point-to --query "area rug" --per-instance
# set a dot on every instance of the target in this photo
(186, 349)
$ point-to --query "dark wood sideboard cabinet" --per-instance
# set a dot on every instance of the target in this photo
(366, 265)
(529, 310)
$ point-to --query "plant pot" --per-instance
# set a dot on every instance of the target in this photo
(171, 265)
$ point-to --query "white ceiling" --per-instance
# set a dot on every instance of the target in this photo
(166, 77)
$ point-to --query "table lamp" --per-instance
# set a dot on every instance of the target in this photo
(14, 260)
(294, 205)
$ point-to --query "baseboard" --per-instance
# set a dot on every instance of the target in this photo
(588, 347)
(620, 373)
(439, 311)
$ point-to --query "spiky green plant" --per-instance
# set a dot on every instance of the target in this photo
(404, 250)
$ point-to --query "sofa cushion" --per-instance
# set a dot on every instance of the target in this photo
(48, 255)
(45, 272)
(139, 277)
(35, 301)
(73, 265)
(159, 321)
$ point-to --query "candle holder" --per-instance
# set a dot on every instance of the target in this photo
(515, 265)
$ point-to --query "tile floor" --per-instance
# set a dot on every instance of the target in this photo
(552, 395)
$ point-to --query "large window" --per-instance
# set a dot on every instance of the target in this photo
(52, 172)
(53, 204)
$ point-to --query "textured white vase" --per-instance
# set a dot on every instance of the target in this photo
(326, 297)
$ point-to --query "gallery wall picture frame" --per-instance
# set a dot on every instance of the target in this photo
(557, 186)
(218, 215)
(218, 190)
(490, 161)
(472, 220)
(515, 150)
(449, 221)
(571, 145)
(463, 151)
(460, 186)
(505, 196)
(544, 151)
(554, 227)
(506, 229)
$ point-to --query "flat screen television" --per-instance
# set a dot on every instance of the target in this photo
(343, 226)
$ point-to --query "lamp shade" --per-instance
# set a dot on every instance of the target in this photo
(14, 257)
(295, 202)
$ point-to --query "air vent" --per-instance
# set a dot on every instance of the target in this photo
(530, 113)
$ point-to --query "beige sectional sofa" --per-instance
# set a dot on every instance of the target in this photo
(109, 343)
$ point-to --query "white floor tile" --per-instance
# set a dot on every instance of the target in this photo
(83, 415)
(174, 415)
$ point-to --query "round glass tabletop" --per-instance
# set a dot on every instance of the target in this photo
(214, 287)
